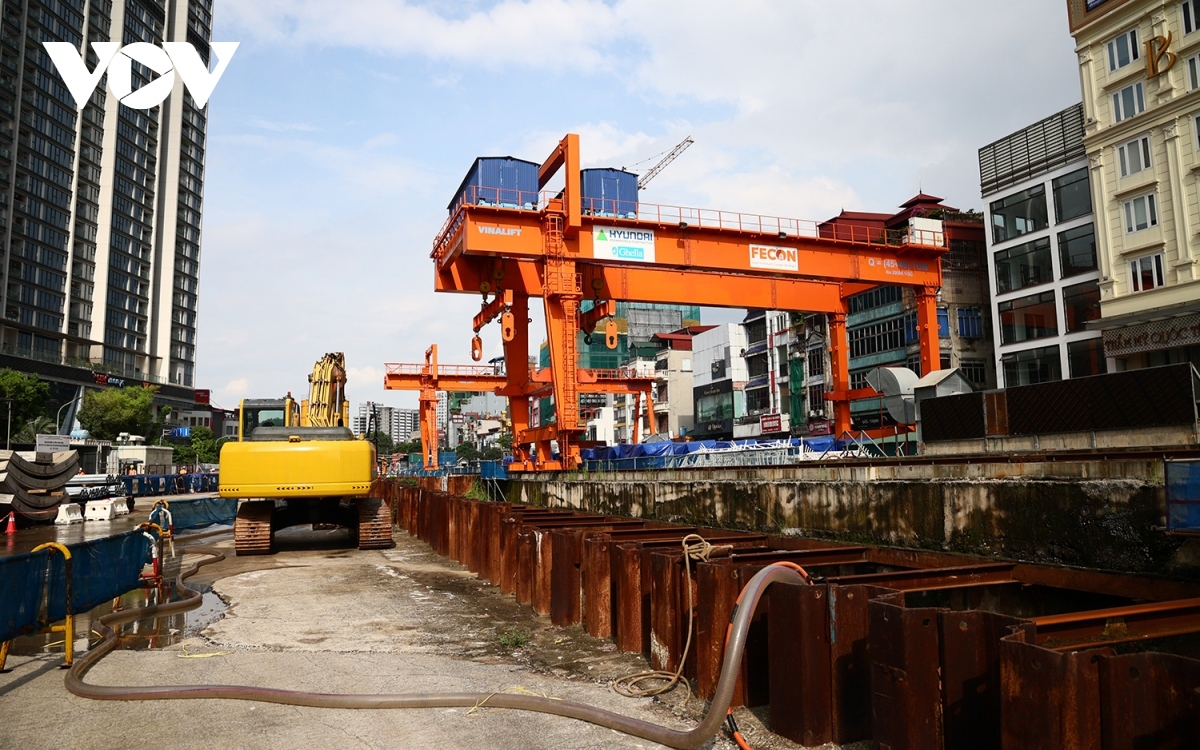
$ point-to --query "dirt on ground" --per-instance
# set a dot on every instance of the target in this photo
(318, 615)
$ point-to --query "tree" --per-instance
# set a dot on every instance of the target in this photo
(201, 448)
(34, 427)
(28, 395)
(383, 443)
(466, 452)
(108, 413)
(410, 447)
(505, 441)
(492, 453)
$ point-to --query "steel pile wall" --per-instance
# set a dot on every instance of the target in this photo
(841, 660)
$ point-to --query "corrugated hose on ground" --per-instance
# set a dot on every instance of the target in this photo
(693, 738)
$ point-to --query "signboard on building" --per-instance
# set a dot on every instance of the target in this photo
(770, 423)
(52, 443)
(181, 432)
(615, 243)
(820, 427)
(203, 396)
(593, 400)
(457, 418)
(774, 258)
(1153, 336)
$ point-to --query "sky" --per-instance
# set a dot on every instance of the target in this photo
(339, 132)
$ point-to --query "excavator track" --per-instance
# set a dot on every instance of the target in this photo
(374, 523)
(252, 533)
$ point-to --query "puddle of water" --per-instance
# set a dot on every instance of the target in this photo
(144, 634)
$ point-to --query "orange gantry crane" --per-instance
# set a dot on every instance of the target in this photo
(430, 377)
(563, 249)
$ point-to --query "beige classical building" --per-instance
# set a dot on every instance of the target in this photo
(1139, 65)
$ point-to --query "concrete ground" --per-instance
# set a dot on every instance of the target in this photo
(333, 619)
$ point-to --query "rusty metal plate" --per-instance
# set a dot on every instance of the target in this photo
(1148, 700)
(1048, 700)
(970, 666)
(906, 705)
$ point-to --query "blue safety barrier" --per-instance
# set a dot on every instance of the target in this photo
(21, 580)
(1183, 496)
(147, 485)
(492, 470)
(198, 512)
(101, 570)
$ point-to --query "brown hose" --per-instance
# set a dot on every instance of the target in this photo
(693, 738)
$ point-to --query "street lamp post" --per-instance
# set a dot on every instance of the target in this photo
(58, 417)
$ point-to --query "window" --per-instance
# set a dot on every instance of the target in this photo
(858, 378)
(1141, 213)
(1128, 102)
(1072, 195)
(758, 401)
(970, 323)
(1086, 358)
(781, 359)
(877, 337)
(1146, 273)
(1134, 156)
(1077, 250)
(816, 399)
(943, 316)
(1123, 50)
(1191, 16)
(974, 370)
(714, 408)
(816, 362)
(756, 365)
(914, 363)
(1193, 72)
(884, 295)
(1028, 318)
(1024, 265)
(1081, 303)
(1018, 214)
(910, 329)
(1031, 366)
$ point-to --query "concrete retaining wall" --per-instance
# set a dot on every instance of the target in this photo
(1105, 515)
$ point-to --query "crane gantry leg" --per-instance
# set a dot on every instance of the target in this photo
(839, 365)
(562, 293)
(516, 365)
(927, 330)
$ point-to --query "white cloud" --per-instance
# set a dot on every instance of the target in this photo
(527, 33)
(236, 388)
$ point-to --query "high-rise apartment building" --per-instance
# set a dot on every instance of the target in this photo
(100, 204)
(1139, 67)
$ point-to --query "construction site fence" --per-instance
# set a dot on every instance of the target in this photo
(849, 658)
(32, 584)
(143, 485)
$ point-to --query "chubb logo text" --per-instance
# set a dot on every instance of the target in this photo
(170, 58)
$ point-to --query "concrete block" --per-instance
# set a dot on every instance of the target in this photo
(68, 513)
(100, 510)
(120, 507)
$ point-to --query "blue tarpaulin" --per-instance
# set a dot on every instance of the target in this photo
(141, 485)
(21, 580)
(1183, 496)
(198, 512)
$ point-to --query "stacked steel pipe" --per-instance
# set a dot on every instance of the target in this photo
(911, 649)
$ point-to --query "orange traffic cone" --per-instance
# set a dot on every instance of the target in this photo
(12, 524)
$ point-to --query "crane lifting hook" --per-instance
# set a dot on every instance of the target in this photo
(508, 326)
(476, 348)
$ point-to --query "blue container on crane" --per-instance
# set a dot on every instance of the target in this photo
(609, 192)
(499, 181)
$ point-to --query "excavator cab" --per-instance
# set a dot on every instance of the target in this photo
(261, 412)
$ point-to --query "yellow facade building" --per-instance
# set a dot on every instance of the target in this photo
(1139, 66)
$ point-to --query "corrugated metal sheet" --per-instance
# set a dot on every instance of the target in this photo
(1052, 143)
(500, 181)
(609, 192)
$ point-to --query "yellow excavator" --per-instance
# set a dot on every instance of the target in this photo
(301, 464)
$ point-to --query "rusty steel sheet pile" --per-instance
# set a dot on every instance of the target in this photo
(911, 649)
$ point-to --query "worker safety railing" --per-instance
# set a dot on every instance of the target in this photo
(686, 217)
(470, 371)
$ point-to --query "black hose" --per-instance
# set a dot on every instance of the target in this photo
(694, 738)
